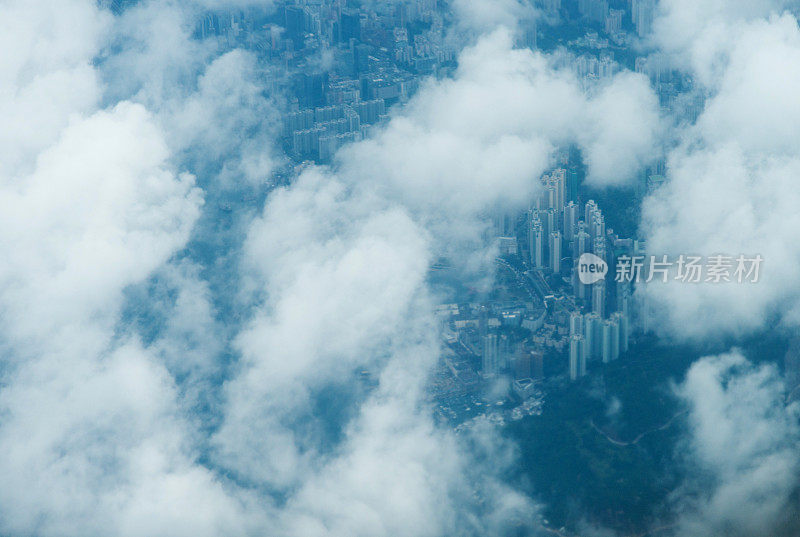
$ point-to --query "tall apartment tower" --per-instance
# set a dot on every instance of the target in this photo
(555, 252)
(599, 298)
(575, 323)
(592, 334)
(577, 357)
(490, 356)
(536, 243)
(570, 226)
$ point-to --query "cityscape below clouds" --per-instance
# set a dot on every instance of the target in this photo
(400, 268)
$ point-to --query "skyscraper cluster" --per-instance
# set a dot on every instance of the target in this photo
(319, 132)
(559, 231)
(547, 222)
(593, 338)
(347, 61)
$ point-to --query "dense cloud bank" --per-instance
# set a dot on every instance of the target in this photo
(109, 429)
(731, 190)
(733, 175)
(133, 403)
(742, 450)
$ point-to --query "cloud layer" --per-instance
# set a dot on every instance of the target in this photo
(742, 449)
(296, 405)
(732, 177)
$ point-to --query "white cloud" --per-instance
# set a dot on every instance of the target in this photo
(93, 439)
(48, 77)
(93, 447)
(482, 139)
(339, 284)
(96, 435)
(696, 35)
(742, 449)
(211, 105)
(343, 276)
(755, 105)
(622, 130)
(100, 211)
(732, 188)
(339, 261)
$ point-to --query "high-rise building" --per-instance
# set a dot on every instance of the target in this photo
(490, 358)
(614, 21)
(483, 322)
(589, 211)
(529, 365)
(536, 242)
(606, 341)
(572, 184)
(570, 221)
(611, 342)
(621, 321)
(554, 190)
(575, 354)
(522, 365)
(350, 25)
(555, 252)
(599, 298)
(599, 248)
(559, 179)
(505, 353)
(575, 323)
(592, 333)
(545, 199)
(294, 23)
(577, 357)
(623, 294)
(549, 221)
(579, 289)
(642, 14)
(550, 197)
(582, 243)
(597, 226)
